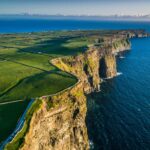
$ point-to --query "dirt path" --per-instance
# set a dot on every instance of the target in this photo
(16, 101)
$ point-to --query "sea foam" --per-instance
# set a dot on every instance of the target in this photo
(121, 57)
(91, 145)
(119, 73)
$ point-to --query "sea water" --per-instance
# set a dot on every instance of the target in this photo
(118, 117)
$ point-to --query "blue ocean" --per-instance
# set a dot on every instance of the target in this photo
(10, 25)
(118, 117)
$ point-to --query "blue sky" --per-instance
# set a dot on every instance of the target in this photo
(76, 7)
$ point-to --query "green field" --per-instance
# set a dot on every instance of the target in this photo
(25, 69)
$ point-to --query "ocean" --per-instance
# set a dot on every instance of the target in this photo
(118, 117)
(10, 25)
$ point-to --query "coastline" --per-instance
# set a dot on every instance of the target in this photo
(88, 90)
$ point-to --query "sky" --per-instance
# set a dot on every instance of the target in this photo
(76, 7)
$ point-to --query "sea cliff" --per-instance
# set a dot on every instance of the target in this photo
(59, 123)
(63, 126)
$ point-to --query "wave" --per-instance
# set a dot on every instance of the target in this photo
(119, 73)
(91, 145)
(121, 57)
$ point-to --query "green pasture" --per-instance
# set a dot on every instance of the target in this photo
(25, 69)
(12, 73)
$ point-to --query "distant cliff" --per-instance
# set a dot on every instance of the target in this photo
(59, 124)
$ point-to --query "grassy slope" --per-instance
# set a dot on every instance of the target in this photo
(18, 140)
(12, 73)
(25, 69)
(39, 85)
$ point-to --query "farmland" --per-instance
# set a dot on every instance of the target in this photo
(25, 70)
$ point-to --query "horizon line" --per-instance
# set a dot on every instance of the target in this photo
(77, 15)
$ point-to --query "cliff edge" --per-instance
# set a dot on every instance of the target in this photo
(63, 125)
(59, 123)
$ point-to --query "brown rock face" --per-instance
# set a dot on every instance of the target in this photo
(108, 66)
(90, 67)
(60, 123)
(63, 126)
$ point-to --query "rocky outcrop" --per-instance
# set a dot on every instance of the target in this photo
(60, 122)
(96, 63)
(134, 33)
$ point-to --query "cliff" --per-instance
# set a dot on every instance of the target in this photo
(59, 123)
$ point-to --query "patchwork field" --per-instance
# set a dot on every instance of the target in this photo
(25, 69)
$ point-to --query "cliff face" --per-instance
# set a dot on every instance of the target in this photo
(60, 122)
(96, 63)
(120, 45)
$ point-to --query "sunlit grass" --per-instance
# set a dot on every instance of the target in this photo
(25, 70)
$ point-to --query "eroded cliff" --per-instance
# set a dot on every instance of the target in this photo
(96, 63)
(59, 124)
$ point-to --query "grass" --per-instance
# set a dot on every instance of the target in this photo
(11, 73)
(25, 69)
(58, 47)
(30, 59)
(9, 115)
(41, 84)
(18, 140)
